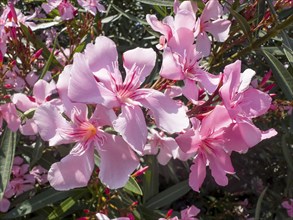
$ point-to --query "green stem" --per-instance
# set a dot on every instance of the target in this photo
(256, 44)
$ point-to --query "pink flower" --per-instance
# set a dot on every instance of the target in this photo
(13, 79)
(21, 182)
(182, 24)
(166, 146)
(210, 21)
(42, 92)
(95, 78)
(187, 214)
(74, 170)
(65, 8)
(181, 62)
(92, 6)
(243, 103)
(206, 139)
(40, 174)
(288, 205)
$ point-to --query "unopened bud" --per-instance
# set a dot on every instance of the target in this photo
(140, 171)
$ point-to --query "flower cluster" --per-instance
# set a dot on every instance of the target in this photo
(111, 115)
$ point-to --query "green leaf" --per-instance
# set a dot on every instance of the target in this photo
(281, 74)
(151, 178)
(63, 208)
(157, 2)
(286, 151)
(37, 152)
(49, 62)
(45, 25)
(7, 150)
(258, 205)
(129, 16)
(41, 200)
(169, 195)
(133, 186)
(243, 24)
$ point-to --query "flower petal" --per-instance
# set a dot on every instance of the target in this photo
(42, 90)
(84, 88)
(255, 103)
(22, 102)
(203, 44)
(9, 113)
(168, 115)
(49, 122)
(219, 29)
(142, 58)
(131, 125)
(72, 171)
(102, 54)
(198, 172)
(118, 161)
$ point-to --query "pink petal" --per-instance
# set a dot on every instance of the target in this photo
(171, 69)
(182, 41)
(42, 90)
(189, 141)
(198, 172)
(101, 55)
(212, 10)
(62, 88)
(28, 128)
(184, 19)
(168, 149)
(190, 212)
(9, 113)
(186, 5)
(241, 136)
(142, 58)
(4, 205)
(268, 134)
(158, 26)
(190, 90)
(231, 82)
(168, 115)
(103, 115)
(84, 88)
(219, 29)
(209, 81)
(255, 103)
(216, 120)
(72, 171)
(49, 122)
(131, 125)
(220, 164)
(203, 44)
(22, 102)
(118, 161)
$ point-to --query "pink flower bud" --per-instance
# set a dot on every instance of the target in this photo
(140, 171)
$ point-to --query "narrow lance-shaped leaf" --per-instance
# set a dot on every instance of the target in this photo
(169, 195)
(281, 74)
(151, 178)
(133, 186)
(7, 150)
(259, 203)
(157, 2)
(243, 24)
(41, 200)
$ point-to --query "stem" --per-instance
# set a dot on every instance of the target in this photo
(256, 44)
